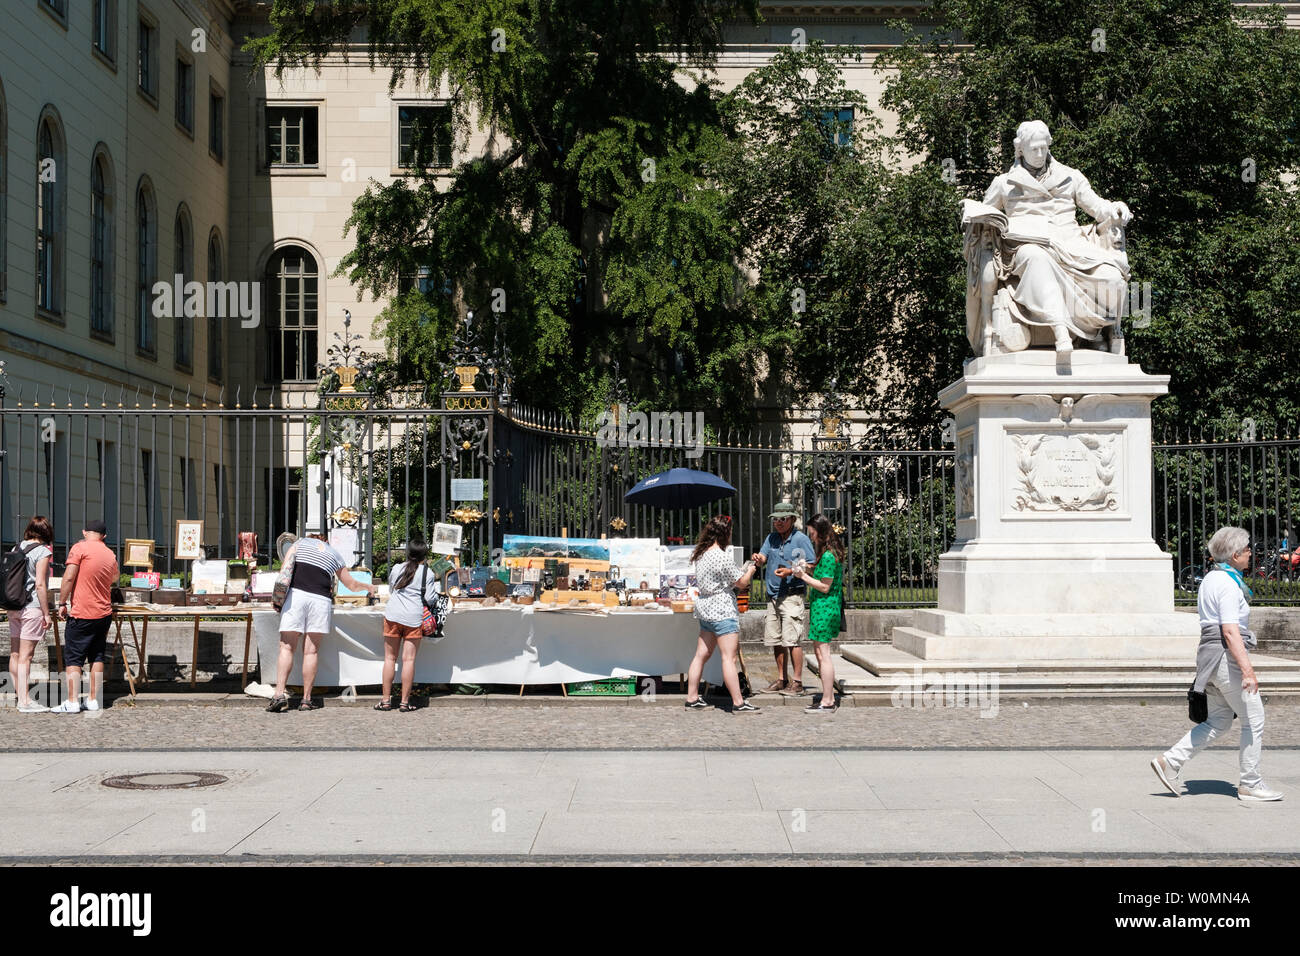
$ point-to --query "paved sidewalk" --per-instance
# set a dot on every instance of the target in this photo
(550, 723)
(780, 805)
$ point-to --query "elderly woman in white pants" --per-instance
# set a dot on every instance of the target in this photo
(1223, 670)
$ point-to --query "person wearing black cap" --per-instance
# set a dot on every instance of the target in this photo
(88, 590)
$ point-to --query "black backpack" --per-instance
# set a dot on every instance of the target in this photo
(13, 572)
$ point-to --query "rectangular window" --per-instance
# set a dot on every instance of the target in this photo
(147, 60)
(104, 29)
(837, 127)
(291, 136)
(216, 123)
(57, 9)
(185, 95)
(423, 137)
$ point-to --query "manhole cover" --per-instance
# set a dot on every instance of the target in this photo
(163, 781)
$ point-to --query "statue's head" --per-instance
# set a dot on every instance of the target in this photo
(1032, 142)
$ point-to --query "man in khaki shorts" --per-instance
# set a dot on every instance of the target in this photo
(786, 615)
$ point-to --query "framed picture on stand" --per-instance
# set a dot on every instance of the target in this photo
(189, 540)
(137, 553)
(446, 538)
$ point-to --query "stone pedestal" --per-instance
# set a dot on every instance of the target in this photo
(1053, 558)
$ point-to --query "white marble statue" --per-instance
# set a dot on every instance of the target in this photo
(1035, 277)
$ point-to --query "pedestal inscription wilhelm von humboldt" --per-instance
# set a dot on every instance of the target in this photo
(1053, 558)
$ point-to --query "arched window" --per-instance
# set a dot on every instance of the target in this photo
(146, 252)
(4, 192)
(51, 199)
(183, 266)
(101, 246)
(216, 344)
(291, 284)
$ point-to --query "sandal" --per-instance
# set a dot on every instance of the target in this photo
(310, 705)
(278, 703)
(405, 707)
(775, 686)
(384, 705)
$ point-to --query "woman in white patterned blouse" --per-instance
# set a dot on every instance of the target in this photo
(717, 578)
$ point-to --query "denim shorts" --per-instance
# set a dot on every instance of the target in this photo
(728, 625)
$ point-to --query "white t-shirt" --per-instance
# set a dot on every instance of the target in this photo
(404, 606)
(1220, 601)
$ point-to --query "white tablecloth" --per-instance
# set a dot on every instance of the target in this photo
(502, 645)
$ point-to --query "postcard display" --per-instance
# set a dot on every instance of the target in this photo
(642, 563)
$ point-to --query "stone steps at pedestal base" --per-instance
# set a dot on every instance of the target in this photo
(880, 671)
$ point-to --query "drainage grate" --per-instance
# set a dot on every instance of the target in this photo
(163, 781)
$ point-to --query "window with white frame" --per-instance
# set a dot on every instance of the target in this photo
(292, 136)
(291, 289)
(423, 136)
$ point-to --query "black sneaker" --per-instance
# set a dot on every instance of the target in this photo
(698, 703)
(745, 708)
(280, 702)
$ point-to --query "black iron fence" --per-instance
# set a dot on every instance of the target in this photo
(387, 474)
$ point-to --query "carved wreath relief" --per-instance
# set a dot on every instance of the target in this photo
(1074, 472)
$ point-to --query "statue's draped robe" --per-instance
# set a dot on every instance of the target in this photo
(1073, 280)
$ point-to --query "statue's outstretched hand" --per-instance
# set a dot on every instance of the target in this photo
(1122, 213)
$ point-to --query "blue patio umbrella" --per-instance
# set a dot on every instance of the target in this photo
(679, 488)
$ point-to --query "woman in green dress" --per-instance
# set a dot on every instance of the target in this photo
(825, 585)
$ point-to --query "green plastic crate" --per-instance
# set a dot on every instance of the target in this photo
(609, 687)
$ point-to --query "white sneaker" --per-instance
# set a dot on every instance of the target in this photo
(92, 704)
(1260, 794)
(31, 707)
(67, 707)
(1167, 776)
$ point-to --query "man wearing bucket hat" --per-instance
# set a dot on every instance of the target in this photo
(783, 631)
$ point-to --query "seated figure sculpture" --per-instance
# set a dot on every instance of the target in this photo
(1035, 277)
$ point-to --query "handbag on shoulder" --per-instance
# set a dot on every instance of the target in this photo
(432, 616)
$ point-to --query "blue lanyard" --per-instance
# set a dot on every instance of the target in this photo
(1236, 576)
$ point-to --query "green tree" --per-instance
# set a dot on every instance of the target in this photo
(592, 233)
(1190, 112)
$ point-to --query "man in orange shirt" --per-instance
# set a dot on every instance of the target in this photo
(88, 585)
